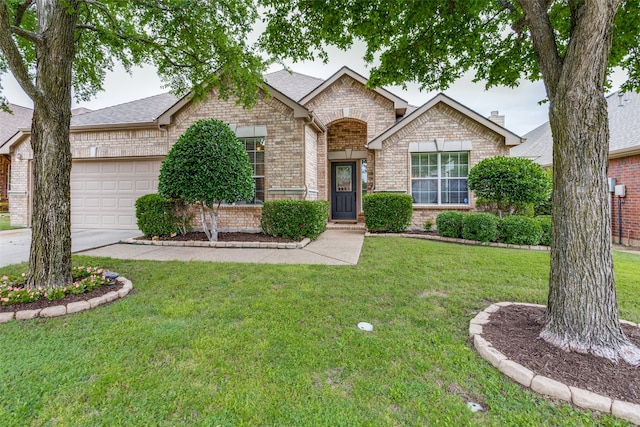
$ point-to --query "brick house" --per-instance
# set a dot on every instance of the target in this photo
(10, 123)
(624, 162)
(308, 138)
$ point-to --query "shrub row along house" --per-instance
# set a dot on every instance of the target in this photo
(308, 138)
(624, 162)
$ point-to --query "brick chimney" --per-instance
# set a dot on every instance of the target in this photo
(497, 118)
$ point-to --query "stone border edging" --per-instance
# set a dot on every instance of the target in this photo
(198, 243)
(461, 241)
(541, 384)
(72, 307)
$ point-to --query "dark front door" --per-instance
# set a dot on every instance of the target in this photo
(343, 190)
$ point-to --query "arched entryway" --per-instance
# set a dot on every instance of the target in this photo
(347, 156)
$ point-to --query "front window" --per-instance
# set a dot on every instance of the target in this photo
(255, 150)
(440, 178)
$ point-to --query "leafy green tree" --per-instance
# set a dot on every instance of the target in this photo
(571, 45)
(509, 182)
(208, 165)
(52, 46)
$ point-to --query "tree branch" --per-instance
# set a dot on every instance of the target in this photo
(28, 35)
(13, 56)
(544, 41)
(20, 10)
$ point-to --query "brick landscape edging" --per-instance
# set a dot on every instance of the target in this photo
(72, 307)
(204, 244)
(541, 384)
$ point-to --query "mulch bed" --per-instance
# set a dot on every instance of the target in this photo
(44, 303)
(514, 331)
(226, 237)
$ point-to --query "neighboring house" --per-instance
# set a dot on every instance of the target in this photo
(624, 161)
(10, 123)
(309, 138)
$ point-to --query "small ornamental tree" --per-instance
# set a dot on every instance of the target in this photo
(509, 182)
(209, 166)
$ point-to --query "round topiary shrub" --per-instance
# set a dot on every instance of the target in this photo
(209, 166)
(519, 230)
(482, 227)
(545, 225)
(449, 224)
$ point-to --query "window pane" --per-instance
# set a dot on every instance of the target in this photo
(424, 191)
(454, 191)
(255, 151)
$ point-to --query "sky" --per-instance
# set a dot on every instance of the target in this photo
(521, 106)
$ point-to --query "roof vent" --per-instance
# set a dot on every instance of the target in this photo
(620, 99)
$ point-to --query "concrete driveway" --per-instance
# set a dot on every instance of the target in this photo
(14, 244)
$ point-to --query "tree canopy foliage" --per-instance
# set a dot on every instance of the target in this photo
(436, 42)
(195, 45)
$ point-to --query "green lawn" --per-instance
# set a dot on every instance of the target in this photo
(4, 222)
(277, 345)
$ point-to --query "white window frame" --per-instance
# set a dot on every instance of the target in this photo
(439, 178)
(243, 140)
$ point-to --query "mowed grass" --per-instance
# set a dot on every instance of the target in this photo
(4, 222)
(204, 344)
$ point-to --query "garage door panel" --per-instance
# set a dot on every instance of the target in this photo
(103, 193)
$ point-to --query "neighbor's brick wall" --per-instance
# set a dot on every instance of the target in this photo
(4, 166)
(392, 163)
(626, 170)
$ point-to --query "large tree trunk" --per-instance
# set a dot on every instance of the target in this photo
(582, 312)
(50, 253)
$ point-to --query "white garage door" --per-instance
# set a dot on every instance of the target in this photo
(104, 193)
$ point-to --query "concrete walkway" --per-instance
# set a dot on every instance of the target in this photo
(14, 244)
(333, 247)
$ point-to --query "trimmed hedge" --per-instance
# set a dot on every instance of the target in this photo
(519, 230)
(545, 224)
(482, 227)
(294, 219)
(387, 212)
(154, 215)
(449, 224)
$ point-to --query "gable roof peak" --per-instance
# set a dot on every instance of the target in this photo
(510, 138)
(400, 104)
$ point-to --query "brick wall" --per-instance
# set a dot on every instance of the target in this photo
(626, 170)
(284, 143)
(392, 163)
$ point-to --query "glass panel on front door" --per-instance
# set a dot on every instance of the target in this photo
(343, 179)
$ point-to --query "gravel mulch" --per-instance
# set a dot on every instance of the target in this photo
(514, 331)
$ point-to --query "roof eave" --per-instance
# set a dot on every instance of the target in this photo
(624, 152)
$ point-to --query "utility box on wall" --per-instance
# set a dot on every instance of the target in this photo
(612, 185)
(620, 191)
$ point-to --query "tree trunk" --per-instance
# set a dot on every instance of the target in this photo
(50, 253)
(582, 312)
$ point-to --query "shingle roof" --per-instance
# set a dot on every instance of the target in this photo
(11, 123)
(624, 129)
(294, 85)
(140, 111)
